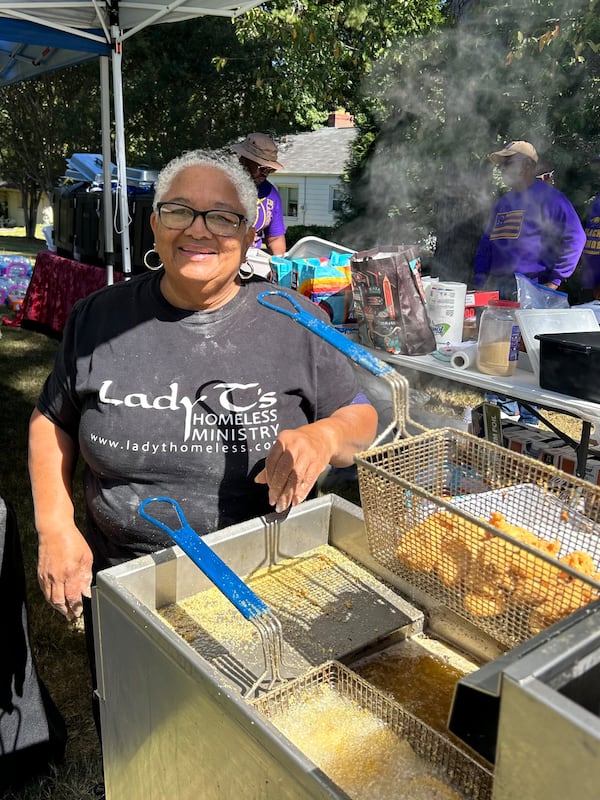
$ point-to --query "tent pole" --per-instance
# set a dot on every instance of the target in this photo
(109, 256)
(120, 151)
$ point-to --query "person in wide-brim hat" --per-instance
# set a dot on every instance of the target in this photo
(258, 155)
(259, 148)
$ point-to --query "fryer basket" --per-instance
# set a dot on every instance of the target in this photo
(427, 502)
(465, 775)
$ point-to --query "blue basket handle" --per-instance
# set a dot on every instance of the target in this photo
(354, 351)
(224, 578)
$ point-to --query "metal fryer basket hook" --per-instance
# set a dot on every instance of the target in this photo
(235, 590)
(357, 353)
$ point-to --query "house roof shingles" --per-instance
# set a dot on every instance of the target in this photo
(321, 152)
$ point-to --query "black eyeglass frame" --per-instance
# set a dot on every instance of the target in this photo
(195, 214)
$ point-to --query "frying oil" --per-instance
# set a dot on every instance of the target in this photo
(421, 681)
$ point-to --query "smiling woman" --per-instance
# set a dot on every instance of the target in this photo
(179, 383)
(202, 250)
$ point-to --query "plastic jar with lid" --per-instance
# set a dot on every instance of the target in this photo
(498, 341)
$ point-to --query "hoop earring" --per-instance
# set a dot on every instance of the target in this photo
(246, 271)
(150, 260)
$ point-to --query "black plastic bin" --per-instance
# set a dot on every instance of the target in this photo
(63, 206)
(87, 216)
(570, 363)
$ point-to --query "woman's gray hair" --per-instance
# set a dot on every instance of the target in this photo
(226, 162)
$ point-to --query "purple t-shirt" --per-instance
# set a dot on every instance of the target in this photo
(269, 213)
(590, 258)
(535, 232)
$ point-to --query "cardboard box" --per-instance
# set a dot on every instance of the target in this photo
(327, 284)
(526, 442)
(548, 454)
(530, 441)
(475, 303)
(592, 470)
(475, 300)
(565, 459)
(281, 271)
(486, 422)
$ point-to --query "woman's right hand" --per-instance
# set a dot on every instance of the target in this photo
(64, 557)
(65, 570)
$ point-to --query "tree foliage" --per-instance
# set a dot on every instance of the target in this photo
(432, 98)
(317, 53)
(42, 122)
(436, 107)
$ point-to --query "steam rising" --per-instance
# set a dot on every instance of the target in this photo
(445, 101)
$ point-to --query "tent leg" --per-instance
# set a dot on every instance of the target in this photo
(120, 153)
(109, 256)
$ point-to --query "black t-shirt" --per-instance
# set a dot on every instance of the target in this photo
(184, 404)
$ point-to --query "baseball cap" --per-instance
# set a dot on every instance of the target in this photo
(511, 149)
(260, 148)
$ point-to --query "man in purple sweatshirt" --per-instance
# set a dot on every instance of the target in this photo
(533, 229)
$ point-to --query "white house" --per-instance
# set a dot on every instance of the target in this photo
(11, 210)
(310, 182)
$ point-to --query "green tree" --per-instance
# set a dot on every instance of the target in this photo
(175, 98)
(279, 69)
(317, 53)
(436, 107)
(42, 122)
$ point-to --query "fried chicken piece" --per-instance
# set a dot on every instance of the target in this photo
(582, 562)
(454, 562)
(485, 606)
(569, 596)
(530, 591)
(420, 548)
(492, 566)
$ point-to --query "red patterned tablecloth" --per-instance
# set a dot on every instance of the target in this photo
(55, 285)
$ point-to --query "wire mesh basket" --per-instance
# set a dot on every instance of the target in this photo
(505, 541)
(447, 768)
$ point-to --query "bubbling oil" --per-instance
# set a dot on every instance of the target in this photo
(422, 682)
(356, 749)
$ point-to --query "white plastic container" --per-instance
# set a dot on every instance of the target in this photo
(498, 341)
(446, 310)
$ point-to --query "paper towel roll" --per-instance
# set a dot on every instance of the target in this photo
(446, 309)
(465, 357)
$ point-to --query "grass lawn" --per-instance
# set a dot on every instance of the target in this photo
(13, 242)
(59, 649)
(26, 358)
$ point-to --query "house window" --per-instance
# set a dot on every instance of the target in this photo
(337, 198)
(289, 200)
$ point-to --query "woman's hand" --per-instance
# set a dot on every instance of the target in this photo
(299, 456)
(293, 465)
(64, 557)
(65, 570)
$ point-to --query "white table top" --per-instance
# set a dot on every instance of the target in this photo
(522, 385)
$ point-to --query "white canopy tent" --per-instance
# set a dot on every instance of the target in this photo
(41, 35)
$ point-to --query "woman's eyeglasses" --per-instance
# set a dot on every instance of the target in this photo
(178, 217)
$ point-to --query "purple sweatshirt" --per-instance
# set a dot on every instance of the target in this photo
(535, 232)
(269, 213)
(590, 258)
